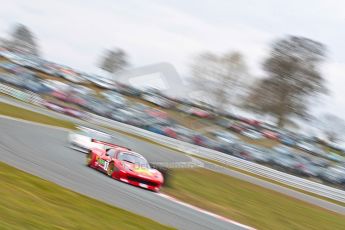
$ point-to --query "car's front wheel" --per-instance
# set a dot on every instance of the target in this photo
(111, 168)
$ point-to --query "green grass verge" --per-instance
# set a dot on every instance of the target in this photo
(263, 142)
(247, 203)
(13, 111)
(29, 202)
(270, 180)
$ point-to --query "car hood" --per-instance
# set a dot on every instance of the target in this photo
(140, 171)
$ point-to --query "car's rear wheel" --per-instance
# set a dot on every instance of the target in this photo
(111, 169)
(89, 159)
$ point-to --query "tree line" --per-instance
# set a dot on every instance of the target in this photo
(292, 78)
(22, 40)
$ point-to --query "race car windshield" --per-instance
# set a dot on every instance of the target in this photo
(140, 161)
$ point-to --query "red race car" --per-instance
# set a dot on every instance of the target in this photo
(125, 165)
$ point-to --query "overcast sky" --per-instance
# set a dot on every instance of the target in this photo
(151, 31)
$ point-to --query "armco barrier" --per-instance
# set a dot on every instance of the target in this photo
(24, 95)
(293, 181)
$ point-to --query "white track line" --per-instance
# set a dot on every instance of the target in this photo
(204, 211)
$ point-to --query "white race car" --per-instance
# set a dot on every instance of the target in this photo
(81, 139)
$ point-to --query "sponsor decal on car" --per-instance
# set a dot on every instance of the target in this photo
(103, 162)
(143, 171)
(100, 161)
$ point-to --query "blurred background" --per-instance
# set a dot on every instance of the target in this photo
(265, 92)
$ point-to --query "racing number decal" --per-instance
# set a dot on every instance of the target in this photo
(106, 164)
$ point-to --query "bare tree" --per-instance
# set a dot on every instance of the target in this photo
(218, 77)
(22, 40)
(113, 60)
(293, 78)
(332, 126)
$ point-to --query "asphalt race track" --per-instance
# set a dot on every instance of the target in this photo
(44, 152)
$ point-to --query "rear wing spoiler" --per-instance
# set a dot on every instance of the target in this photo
(92, 130)
(109, 144)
